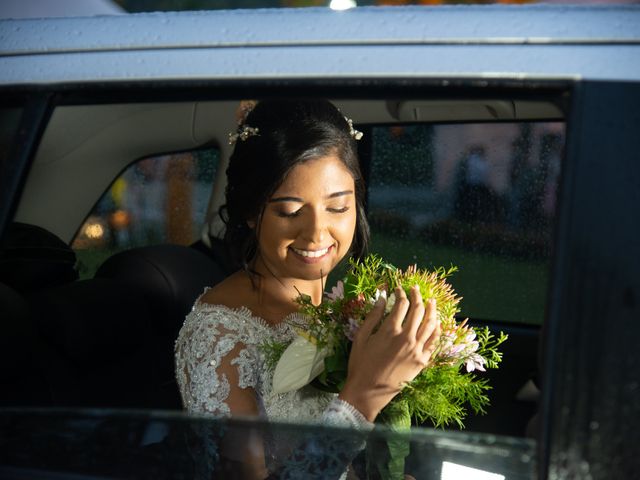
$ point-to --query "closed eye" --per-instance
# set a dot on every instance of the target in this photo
(289, 214)
(338, 210)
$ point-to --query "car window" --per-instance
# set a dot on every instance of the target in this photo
(479, 196)
(156, 200)
(182, 446)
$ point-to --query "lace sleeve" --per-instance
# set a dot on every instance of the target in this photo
(327, 454)
(342, 414)
(214, 356)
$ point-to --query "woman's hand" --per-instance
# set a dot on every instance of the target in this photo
(381, 363)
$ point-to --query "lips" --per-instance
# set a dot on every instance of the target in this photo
(311, 253)
(311, 256)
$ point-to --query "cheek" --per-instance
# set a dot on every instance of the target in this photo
(274, 234)
(345, 229)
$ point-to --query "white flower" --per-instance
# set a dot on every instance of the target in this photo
(391, 301)
(475, 362)
(379, 293)
(300, 363)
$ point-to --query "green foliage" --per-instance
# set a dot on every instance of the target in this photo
(372, 273)
(489, 346)
(439, 395)
(272, 352)
(443, 392)
(386, 458)
(334, 374)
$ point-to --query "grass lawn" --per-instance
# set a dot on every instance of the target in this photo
(88, 260)
(493, 287)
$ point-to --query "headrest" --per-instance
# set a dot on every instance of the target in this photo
(219, 252)
(170, 277)
(32, 258)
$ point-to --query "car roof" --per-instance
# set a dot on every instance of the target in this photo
(536, 41)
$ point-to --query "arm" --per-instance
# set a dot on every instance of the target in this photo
(216, 374)
(387, 353)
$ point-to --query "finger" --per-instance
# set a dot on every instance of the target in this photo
(416, 312)
(431, 345)
(371, 320)
(394, 319)
(429, 322)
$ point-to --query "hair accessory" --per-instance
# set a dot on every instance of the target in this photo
(357, 134)
(243, 132)
(244, 109)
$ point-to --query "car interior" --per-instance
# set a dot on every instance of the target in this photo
(103, 336)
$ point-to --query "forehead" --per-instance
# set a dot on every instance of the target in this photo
(326, 174)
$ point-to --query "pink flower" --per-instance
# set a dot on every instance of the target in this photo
(351, 329)
(337, 292)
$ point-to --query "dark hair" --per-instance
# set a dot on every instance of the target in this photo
(289, 132)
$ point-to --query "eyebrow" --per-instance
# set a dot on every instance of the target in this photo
(300, 200)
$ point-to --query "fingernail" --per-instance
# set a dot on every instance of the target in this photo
(380, 300)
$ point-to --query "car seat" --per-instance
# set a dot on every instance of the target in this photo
(168, 279)
(32, 258)
(22, 381)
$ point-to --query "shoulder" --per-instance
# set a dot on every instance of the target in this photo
(233, 292)
(222, 310)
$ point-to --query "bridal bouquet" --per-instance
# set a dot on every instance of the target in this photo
(441, 393)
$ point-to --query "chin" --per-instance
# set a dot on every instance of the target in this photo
(315, 272)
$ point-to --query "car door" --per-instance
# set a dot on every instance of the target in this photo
(590, 394)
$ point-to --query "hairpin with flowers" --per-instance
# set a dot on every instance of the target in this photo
(243, 131)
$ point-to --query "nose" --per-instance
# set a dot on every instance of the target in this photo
(315, 227)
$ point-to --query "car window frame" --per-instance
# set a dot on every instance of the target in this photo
(36, 112)
(557, 437)
(575, 394)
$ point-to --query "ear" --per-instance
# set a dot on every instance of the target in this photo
(251, 224)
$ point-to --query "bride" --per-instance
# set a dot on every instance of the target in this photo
(294, 210)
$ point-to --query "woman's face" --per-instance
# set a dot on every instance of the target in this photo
(308, 224)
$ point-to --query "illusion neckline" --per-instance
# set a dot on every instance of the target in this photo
(247, 313)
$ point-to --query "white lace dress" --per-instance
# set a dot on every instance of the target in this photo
(215, 341)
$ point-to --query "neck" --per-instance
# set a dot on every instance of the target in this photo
(279, 291)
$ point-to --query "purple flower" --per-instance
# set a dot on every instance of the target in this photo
(351, 328)
(337, 292)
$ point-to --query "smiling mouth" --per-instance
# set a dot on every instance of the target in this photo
(312, 253)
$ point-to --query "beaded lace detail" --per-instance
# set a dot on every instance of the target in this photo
(213, 335)
(215, 338)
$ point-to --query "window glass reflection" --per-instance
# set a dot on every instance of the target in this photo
(161, 199)
(479, 196)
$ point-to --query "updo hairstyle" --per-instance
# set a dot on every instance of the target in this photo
(289, 132)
